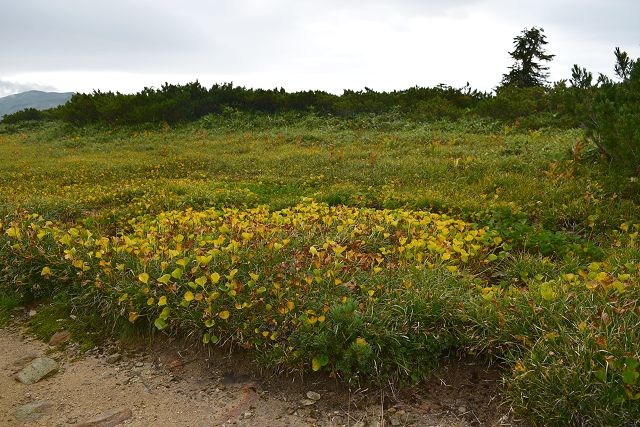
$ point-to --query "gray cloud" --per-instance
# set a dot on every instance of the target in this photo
(341, 41)
(8, 87)
(71, 34)
(146, 35)
(590, 20)
(579, 31)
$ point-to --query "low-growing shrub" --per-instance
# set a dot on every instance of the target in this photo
(26, 115)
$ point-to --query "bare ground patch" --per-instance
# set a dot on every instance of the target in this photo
(169, 383)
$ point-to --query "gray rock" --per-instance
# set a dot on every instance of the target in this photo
(59, 338)
(108, 419)
(38, 369)
(313, 395)
(32, 411)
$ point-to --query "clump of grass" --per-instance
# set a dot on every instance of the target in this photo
(87, 327)
(8, 302)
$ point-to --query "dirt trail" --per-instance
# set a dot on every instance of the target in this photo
(167, 385)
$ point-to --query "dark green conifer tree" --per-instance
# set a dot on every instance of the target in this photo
(529, 54)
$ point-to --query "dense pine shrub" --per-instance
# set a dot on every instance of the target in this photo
(615, 116)
(28, 114)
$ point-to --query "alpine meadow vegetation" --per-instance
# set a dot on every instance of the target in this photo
(365, 236)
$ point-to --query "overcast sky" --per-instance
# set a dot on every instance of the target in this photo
(125, 45)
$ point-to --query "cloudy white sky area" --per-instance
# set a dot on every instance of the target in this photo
(125, 45)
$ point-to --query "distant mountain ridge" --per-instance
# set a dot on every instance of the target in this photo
(32, 99)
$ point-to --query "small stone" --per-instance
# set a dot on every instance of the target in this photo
(32, 411)
(139, 364)
(108, 419)
(114, 358)
(20, 363)
(462, 409)
(313, 395)
(38, 369)
(59, 338)
(247, 414)
(307, 402)
(32, 313)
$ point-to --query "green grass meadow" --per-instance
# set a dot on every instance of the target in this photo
(368, 248)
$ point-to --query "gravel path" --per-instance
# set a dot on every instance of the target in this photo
(168, 385)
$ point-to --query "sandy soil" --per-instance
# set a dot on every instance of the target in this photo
(166, 384)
